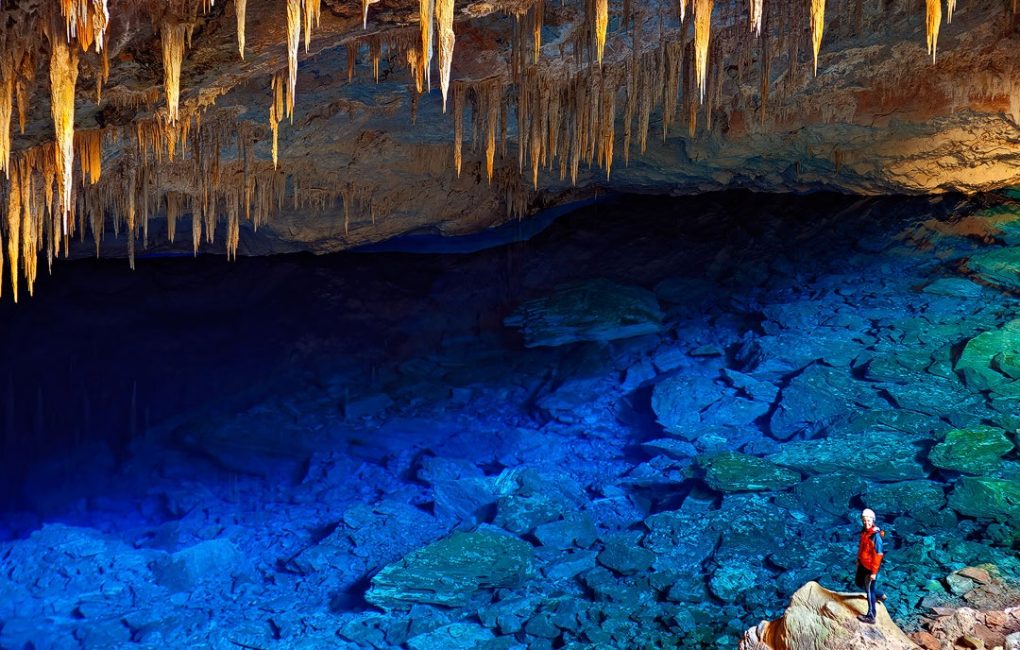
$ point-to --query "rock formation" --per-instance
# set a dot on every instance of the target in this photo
(819, 619)
(809, 97)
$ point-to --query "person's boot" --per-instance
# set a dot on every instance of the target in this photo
(868, 618)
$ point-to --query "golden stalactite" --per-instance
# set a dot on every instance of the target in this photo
(23, 84)
(426, 8)
(311, 17)
(14, 225)
(241, 10)
(172, 36)
(493, 100)
(88, 150)
(293, 39)
(63, 78)
(6, 111)
(130, 192)
(375, 52)
(458, 126)
(817, 28)
(933, 20)
(276, 114)
(702, 34)
(413, 63)
(683, 10)
(951, 7)
(755, 11)
(537, 19)
(601, 25)
(445, 43)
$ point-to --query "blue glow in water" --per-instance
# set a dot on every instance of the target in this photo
(643, 424)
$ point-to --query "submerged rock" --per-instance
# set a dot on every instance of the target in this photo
(988, 359)
(826, 620)
(987, 498)
(449, 572)
(595, 310)
(878, 455)
(975, 450)
(733, 472)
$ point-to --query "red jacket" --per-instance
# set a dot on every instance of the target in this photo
(869, 555)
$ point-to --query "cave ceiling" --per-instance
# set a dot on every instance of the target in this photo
(267, 126)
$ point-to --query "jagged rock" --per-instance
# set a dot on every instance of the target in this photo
(623, 554)
(215, 560)
(596, 310)
(905, 497)
(820, 619)
(449, 572)
(678, 401)
(455, 636)
(733, 472)
(730, 582)
(955, 287)
(816, 399)
(1000, 266)
(978, 365)
(987, 498)
(974, 450)
(877, 455)
(576, 529)
(520, 515)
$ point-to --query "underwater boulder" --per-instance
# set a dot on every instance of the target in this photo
(987, 498)
(877, 455)
(735, 472)
(974, 450)
(451, 571)
(595, 310)
(1000, 266)
(826, 620)
(991, 358)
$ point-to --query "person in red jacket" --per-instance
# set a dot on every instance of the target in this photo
(869, 561)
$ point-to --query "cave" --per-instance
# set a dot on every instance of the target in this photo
(682, 294)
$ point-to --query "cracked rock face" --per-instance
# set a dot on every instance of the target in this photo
(366, 156)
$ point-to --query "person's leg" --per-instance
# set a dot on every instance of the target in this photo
(871, 597)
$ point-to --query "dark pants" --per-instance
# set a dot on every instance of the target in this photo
(864, 581)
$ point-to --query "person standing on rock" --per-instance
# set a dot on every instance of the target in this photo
(869, 560)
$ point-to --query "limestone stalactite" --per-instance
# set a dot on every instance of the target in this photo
(755, 9)
(293, 40)
(426, 9)
(702, 33)
(817, 28)
(445, 43)
(933, 19)
(172, 36)
(63, 78)
(241, 10)
(951, 7)
(6, 111)
(601, 25)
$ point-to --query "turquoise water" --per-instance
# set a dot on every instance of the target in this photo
(645, 426)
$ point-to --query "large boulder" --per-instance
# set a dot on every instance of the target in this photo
(819, 619)
(974, 450)
(877, 455)
(987, 498)
(733, 472)
(595, 310)
(451, 571)
(989, 359)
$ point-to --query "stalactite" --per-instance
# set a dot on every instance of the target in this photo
(951, 7)
(932, 22)
(63, 77)
(601, 25)
(23, 84)
(426, 9)
(702, 33)
(755, 13)
(817, 27)
(413, 62)
(6, 110)
(375, 51)
(446, 39)
(172, 37)
(537, 18)
(89, 152)
(352, 57)
(130, 192)
(276, 109)
(14, 226)
(241, 9)
(683, 10)
(293, 39)
(492, 101)
(458, 125)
